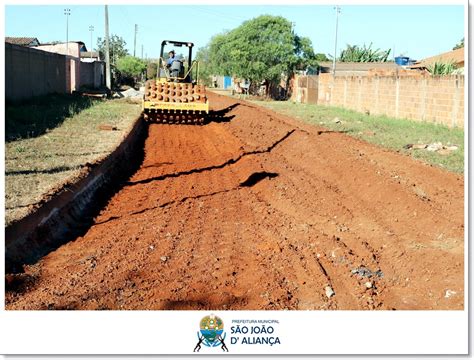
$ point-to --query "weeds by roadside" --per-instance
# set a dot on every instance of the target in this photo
(388, 132)
(48, 152)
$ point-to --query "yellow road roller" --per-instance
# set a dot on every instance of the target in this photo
(175, 97)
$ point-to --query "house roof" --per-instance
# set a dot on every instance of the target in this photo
(356, 68)
(63, 42)
(455, 56)
(23, 41)
(87, 54)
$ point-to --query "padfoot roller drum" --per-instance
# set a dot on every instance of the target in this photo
(175, 103)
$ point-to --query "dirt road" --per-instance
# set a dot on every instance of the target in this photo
(259, 211)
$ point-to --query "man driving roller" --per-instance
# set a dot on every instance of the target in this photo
(171, 58)
(174, 64)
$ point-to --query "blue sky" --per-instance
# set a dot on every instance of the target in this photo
(415, 31)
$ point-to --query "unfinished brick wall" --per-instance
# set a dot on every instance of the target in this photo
(305, 89)
(425, 98)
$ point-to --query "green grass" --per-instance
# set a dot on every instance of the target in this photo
(34, 165)
(381, 130)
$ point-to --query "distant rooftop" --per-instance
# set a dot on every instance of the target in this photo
(22, 41)
(454, 56)
(356, 68)
(64, 42)
(87, 54)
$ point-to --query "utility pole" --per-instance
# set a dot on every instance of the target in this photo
(135, 39)
(107, 53)
(338, 11)
(67, 12)
(91, 29)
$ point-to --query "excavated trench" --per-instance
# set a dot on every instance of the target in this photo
(254, 211)
(70, 211)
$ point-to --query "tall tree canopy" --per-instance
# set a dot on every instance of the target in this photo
(205, 66)
(117, 48)
(321, 57)
(131, 66)
(263, 48)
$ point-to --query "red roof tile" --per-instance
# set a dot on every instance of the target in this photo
(23, 41)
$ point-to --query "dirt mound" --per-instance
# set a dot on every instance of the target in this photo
(262, 212)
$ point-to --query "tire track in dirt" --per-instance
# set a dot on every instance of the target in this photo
(396, 231)
(315, 251)
(263, 212)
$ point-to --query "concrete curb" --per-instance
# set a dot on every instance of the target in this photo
(65, 215)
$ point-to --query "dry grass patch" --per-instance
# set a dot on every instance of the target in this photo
(35, 166)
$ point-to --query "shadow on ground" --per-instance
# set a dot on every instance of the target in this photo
(220, 116)
(32, 118)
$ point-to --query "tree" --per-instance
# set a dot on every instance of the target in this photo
(206, 68)
(214, 57)
(131, 67)
(459, 45)
(260, 50)
(304, 52)
(117, 48)
(151, 69)
(355, 53)
(321, 57)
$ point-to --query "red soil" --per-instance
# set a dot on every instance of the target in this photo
(260, 211)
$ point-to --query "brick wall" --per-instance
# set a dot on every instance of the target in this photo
(73, 64)
(425, 98)
(305, 89)
(30, 72)
(92, 74)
